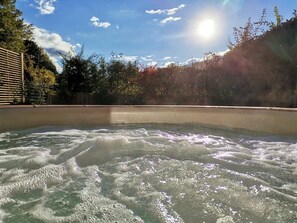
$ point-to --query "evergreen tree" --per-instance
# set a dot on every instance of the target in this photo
(38, 56)
(278, 17)
(77, 73)
(13, 29)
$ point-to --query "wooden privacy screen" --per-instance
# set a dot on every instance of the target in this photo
(11, 77)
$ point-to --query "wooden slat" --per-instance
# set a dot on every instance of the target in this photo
(9, 51)
(11, 80)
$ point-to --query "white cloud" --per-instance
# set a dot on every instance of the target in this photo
(171, 11)
(222, 53)
(124, 58)
(193, 60)
(147, 59)
(166, 58)
(170, 19)
(169, 58)
(159, 11)
(129, 58)
(196, 59)
(78, 45)
(48, 40)
(95, 22)
(56, 61)
(174, 10)
(53, 43)
(153, 63)
(45, 7)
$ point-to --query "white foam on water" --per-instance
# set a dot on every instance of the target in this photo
(92, 208)
(67, 132)
(5, 136)
(226, 219)
(72, 168)
(146, 175)
(40, 157)
(38, 179)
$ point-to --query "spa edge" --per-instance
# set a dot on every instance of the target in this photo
(281, 121)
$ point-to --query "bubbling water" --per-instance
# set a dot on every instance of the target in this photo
(150, 173)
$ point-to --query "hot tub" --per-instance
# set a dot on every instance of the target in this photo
(117, 171)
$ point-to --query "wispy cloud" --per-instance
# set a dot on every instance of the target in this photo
(174, 10)
(96, 22)
(129, 58)
(153, 63)
(45, 7)
(197, 59)
(192, 60)
(78, 45)
(171, 11)
(53, 43)
(149, 58)
(125, 58)
(159, 11)
(222, 53)
(142, 59)
(170, 19)
(169, 58)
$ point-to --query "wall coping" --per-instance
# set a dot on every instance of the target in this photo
(271, 120)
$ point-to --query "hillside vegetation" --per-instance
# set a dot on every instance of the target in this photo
(266, 67)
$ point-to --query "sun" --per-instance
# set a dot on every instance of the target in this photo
(206, 29)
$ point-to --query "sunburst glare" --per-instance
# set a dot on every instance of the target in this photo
(206, 29)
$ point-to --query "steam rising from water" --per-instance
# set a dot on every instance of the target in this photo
(146, 174)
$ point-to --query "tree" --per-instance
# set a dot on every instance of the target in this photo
(294, 14)
(116, 76)
(77, 73)
(42, 81)
(251, 31)
(146, 82)
(132, 89)
(13, 29)
(38, 56)
(99, 82)
(278, 17)
(122, 78)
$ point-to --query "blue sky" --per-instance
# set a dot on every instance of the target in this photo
(150, 31)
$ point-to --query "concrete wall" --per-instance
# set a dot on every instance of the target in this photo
(268, 120)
